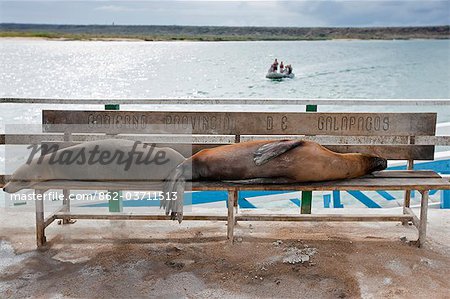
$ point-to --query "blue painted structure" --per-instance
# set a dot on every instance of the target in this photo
(337, 199)
(440, 166)
(326, 201)
(445, 199)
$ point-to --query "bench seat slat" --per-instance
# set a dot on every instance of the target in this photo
(386, 178)
(404, 174)
(355, 184)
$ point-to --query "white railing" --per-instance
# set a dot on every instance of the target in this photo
(230, 101)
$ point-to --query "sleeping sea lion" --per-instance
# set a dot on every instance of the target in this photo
(104, 160)
(279, 161)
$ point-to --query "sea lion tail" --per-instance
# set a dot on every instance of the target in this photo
(271, 150)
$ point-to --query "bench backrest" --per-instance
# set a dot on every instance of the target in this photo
(353, 129)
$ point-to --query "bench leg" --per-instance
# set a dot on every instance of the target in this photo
(407, 200)
(66, 204)
(40, 226)
(423, 218)
(406, 204)
(232, 194)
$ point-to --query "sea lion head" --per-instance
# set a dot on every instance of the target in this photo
(374, 163)
(24, 177)
(14, 186)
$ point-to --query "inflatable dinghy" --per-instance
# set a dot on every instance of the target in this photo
(275, 75)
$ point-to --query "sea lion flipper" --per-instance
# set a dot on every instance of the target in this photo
(179, 189)
(169, 184)
(174, 186)
(271, 150)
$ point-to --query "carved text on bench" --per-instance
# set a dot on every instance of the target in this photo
(224, 122)
(344, 123)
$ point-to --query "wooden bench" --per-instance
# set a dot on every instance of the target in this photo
(390, 135)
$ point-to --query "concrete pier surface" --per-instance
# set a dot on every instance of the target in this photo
(164, 259)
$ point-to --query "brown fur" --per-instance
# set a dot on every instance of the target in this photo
(306, 162)
(267, 162)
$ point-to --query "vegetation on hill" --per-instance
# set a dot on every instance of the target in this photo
(216, 33)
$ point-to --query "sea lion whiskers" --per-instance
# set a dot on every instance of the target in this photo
(375, 163)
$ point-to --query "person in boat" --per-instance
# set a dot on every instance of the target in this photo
(288, 69)
(281, 68)
(275, 65)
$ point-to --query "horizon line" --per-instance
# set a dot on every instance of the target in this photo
(227, 26)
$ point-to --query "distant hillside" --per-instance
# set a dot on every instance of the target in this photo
(213, 33)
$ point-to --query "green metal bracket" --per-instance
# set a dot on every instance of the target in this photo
(115, 202)
(307, 195)
(306, 202)
(112, 107)
(311, 108)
